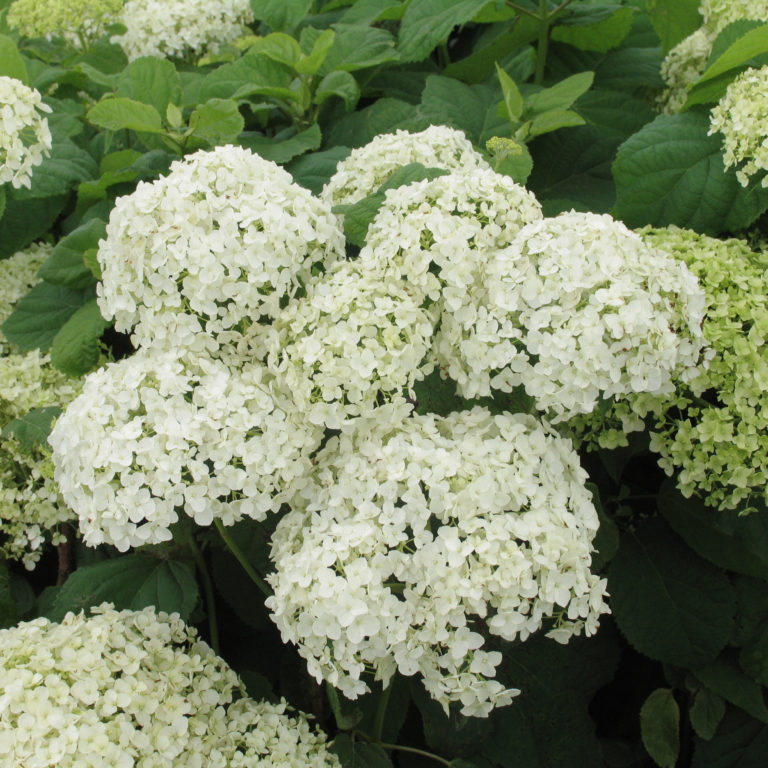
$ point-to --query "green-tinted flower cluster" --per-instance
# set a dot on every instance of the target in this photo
(77, 21)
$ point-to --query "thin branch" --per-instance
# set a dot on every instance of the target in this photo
(210, 599)
(520, 9)
(241, 558)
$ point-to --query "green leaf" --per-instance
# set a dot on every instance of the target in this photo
(383, 116)
(735, 543)
(671, 172)
(358, 47)
(8, 615)
(310, 64)
(513, 99)
(615, 113)
(11, 62)
(132, 582)
(314, 170)
(660, 727)
(726, 679)
(65, 265)
(279, 47)
(2, 200)
(517, 167)
(67, 166)
(753, 658)
(589, 30)
(561, 95)
(446, 101)
(38, 317)
(358, 754)
(115, 114)
(32, 429)
(24, 220)
(670, 604)
(281, 15)
(218, 121)
(151, 80)
(253, 74)
(340, 84)
(606, 541)
(358, 216)
(426, 23)
(282, 150)
(371, 11)
(546, 122)
(706, 712)
(740, 742)
(673, 20)
(75, 348)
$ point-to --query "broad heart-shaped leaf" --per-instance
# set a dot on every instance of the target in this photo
(740, 742)
(218, 121)
(358, 47)
(594, 28)
(65, 265)
(358, 216)
(314, 170)
(735, 543)
(427, 23)
(66, 167)
(38, 317)
(11, 62)
(280, 15)
(281, 149)
(32, 429)
(706, 712)
(24, 220)
(669, 603)
(130, 582)
(340, 84)
(726, 679)
(254, 73)
(614, 113)
(671, 172)
(673, 20)
(151, 80)
(660, 727)
(280, 47)
(383, 116)
(359, 754)
(75, 348)
(115, 114)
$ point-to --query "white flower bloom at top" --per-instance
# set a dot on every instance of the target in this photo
(25, 139)
(137, 688)
(718, 14)
(368, 167)
(155, 434)
(192, 259)
(418, 532)
(682, 66)
(582, 309)
(179, 28)
(742, 117)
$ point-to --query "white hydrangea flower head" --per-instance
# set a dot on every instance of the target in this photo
(137, 688)
(416, 533)
(157, 434)
(368, 167)
(718, 14)
(25, 139)
(682, 66)
(180, 28)
(193, 258)
(582, 309)
(77, 21)
(741, 116)
(355, 341)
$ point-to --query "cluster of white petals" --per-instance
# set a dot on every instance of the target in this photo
(161, 432)
(581, 309)
(718, 14)
(180, 28)
(682, 66)
(18, 273)
(25, 139)
(418, 535)
(368, 167)
(742, 117)
(137, 688)
(355, 341)
(192, 259)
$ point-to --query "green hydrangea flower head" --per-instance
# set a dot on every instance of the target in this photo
(77, 21)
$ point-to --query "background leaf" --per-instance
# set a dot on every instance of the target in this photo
(75, 349)
(151, 80)
(65, 265)
(660, 727)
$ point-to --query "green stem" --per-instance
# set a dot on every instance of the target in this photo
(560, 8)
(543, 44)
(381, 711)
(520, 9)
(241, 558)
(443, 55)
(415, 751)
(210, 599)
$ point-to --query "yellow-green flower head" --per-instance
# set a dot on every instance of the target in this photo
(682, 66)
(77, 21)
(742, 117)
(718, 14)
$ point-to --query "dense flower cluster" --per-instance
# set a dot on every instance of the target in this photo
(682, 66)
(368, 167)
(160, 432)
(25, 139)
(192, 259)
(180, 28)
(418, 532)
(718, 14)
(742, 116)
(137, 688)
(581, 309)
(77, 21)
